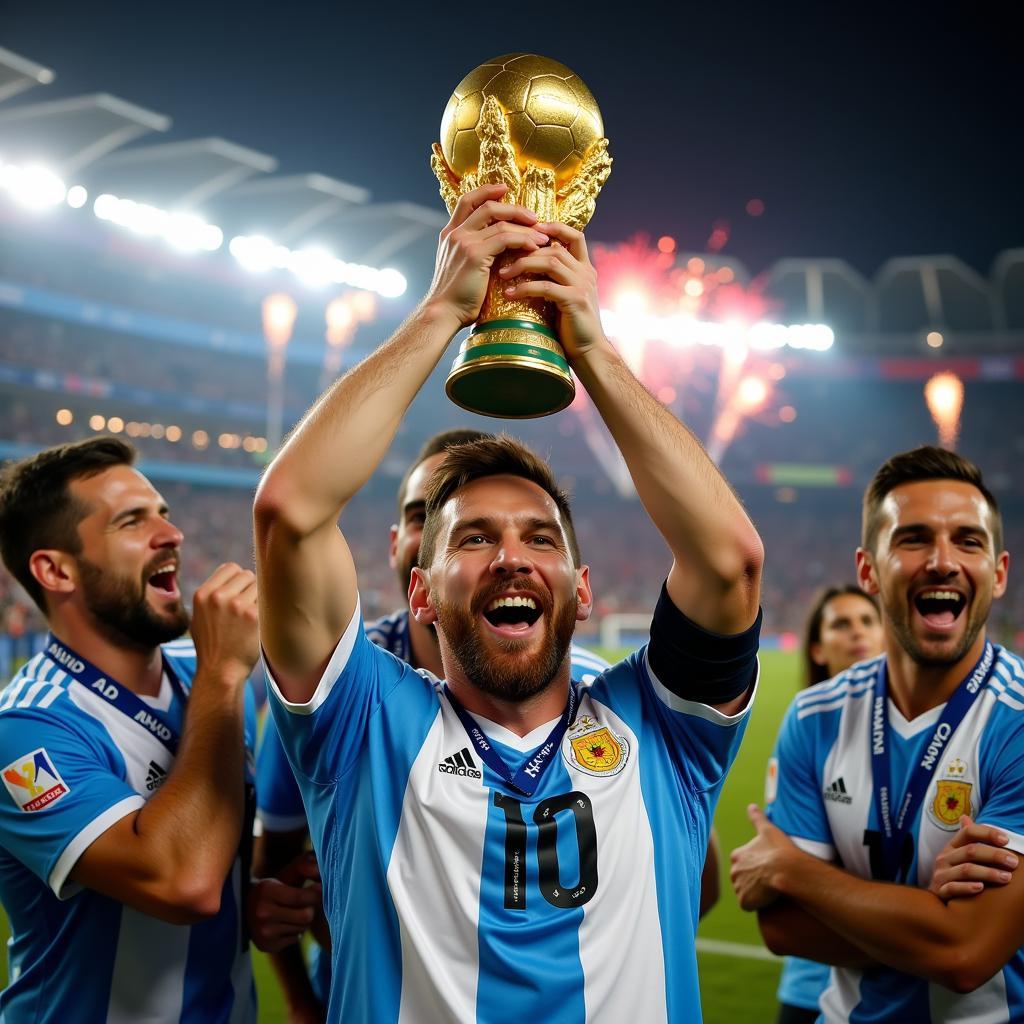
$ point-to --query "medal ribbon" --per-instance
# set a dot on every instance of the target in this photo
(527, 778)
(894, 827)
(117, 695)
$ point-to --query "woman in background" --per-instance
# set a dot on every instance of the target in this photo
(843, 627)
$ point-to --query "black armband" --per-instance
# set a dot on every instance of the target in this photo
(696, 664)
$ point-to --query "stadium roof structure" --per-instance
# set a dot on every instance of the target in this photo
(823, 289)
(18, 74)
(287, 208)
(70, 134)
(177, 174)
(936, 290)
(87, 141)
(382, 230)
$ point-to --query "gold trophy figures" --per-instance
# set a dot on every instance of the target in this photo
(527, 122)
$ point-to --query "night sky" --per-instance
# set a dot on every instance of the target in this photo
(866, 133)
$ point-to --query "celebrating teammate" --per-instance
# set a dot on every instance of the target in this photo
(505, 845)
(877, 768)
(122, 816)
(279, 807)
(843, 627)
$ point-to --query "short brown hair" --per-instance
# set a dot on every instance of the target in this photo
(924, 463)
(37, 509)
(434, 446)
(490, 456)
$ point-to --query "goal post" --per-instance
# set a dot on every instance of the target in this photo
(625, 629)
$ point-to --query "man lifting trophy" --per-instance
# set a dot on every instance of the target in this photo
(527, 122)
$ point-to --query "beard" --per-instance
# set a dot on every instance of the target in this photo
(119, 606)
(506, 674)
(924, 654)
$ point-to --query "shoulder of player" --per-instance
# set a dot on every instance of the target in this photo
(586, 664)
(181, 654)
(1007, 683)
(383, 631)
(39, 683)
(832, 695)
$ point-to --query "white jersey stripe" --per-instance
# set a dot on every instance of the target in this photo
(13, 692)
(847, 689)
(830, 688)
(628, 916)
(32, 692)
(1005, 698)
(142, 980)
(50, 696)
(439, 921)
(817, 709)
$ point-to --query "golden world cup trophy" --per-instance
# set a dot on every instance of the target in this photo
(527, 122)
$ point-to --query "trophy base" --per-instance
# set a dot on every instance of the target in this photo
(514, 369)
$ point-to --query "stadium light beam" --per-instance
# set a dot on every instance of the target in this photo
(279, 313)
(944, 394)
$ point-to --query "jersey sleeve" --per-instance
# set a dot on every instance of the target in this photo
(793, 789)
(324, 737)
(278, 798)
(704, 741)
(63, 790)
(1002, 761)
(586, 666)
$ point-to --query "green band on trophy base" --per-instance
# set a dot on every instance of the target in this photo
(517, 377)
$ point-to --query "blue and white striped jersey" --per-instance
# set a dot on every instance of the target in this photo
(279, 800)
(824, 800)
(72, 766)
(453, 897)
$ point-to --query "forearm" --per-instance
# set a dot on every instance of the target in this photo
(193, 824)
(342, 439)
(289, 966)
(717, 551)
(901, 926)
(789, 930)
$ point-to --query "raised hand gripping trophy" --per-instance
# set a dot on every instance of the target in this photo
(527, 122)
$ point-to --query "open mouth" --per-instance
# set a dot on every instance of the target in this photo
(513, 613)
(938, 607)
(166, 580)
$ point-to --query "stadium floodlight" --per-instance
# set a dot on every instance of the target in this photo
(189, 233)
(684, 331)
(185, 231)
(314, 267)
(390, 283)
(77, 197)
(33, 186)
(254, 252)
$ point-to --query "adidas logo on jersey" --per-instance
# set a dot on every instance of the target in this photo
(460, 764)
(837, 792)
(155, 776)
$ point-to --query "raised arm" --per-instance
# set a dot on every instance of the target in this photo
(717, 554)
(306, 574)
(171, 857)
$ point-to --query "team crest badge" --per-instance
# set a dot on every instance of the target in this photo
(594, 748)
(952, 797)
(34, 782)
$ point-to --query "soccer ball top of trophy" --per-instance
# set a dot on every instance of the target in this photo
(530, 123)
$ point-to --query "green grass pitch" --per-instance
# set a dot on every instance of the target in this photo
(734, 989)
